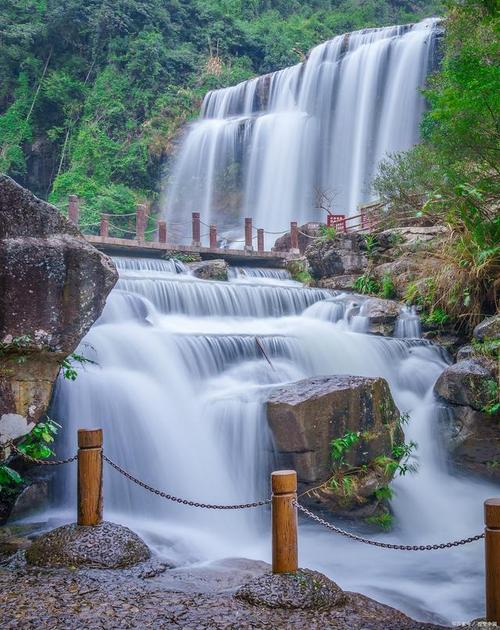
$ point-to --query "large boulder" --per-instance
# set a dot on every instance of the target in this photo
(381, 314)
(307, 233)
(307, 415)
(488, 329)
(210, 269)
(343, 255)
(104, 546)
(53, 286)
(471, 425)
(467, 382)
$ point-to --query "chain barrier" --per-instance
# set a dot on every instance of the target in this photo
(376, 543)
(170, 497)
(41, 462)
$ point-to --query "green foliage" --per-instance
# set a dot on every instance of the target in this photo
(493, 405)
(9, 478)
(388, 289)
(487, 347)
(340, 446)
(328, 233)
(384, 493)
(103, 86)
(453, 176)
(384, 520)
(370, 244)
(437, 317)
(37, 443)
(366, 284)
(299, 271)
(68, 367)
(182, 257)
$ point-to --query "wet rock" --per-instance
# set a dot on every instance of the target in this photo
(53, 286)
(210, 269)
(34, 497)
(343, 255)
(465, 352)
(343, 282)
(465, 383)
(488, 329)
(105, 546)
(382, 315)
(304, 590)
(473, 440)
(307, 415)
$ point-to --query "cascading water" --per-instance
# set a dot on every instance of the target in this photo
(261, 148)
(180, 386)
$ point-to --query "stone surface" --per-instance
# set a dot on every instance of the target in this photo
(343, 255)
(53, 286)
(473, 440)
(33, 598)
(382, 315)
(106, 546)
(304, 590)
(307, 233)
(488, 329)
(306, 416)
(210, 269)
(465, 383)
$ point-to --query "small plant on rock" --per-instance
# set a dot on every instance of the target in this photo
(366, 284)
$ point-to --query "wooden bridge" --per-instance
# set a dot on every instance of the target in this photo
(156, 242)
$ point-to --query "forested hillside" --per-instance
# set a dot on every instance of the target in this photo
(93, 93)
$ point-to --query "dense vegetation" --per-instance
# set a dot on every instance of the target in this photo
(92, 94)
(453, 176)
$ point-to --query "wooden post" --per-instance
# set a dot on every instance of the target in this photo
(260, 240)
(196, 230)
(213, 237)
(162, 232)
(284, 517)
(104, 231)
(492, 558)
(294, 238)
(140, 221)
(89, 476)
(248, 235)
(73, 209)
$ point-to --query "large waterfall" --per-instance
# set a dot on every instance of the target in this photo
(265, 147)
(179, 386)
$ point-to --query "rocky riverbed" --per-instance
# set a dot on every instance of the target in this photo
(153, 595)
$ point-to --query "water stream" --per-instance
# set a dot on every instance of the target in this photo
(179, 387)
(264, 147)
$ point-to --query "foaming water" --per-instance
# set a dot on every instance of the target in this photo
(321, 124)
(408, 323)
(183, 370)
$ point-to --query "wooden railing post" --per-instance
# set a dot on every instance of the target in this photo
(213, 237)
(140, 221)
(104, 229)
(162, 232)
(248, 235)
(196, 242)
(492, 558)
(284, 521)
(294, 238)
(260, 240)
(89, 477)
(73, 209)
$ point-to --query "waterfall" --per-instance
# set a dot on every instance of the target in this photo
(261, 148)
(179, 385)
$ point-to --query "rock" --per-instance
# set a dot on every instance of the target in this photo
(342, 283)
(465, 383)
(210, 269)
(34, 497)
(53, 286)
(306, 416)
(465, 352)
(488, 329)
(343, 255)
(382, 315)
(307, 233)
(402, 271)
(473, 440)
(105, 546)
(412, 236)
(304, 590)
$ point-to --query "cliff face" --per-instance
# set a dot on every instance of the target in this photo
(53, 286)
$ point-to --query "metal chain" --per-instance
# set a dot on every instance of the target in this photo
(376, 543)
(41, 462)
(170, 497)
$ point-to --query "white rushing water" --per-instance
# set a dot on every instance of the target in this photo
(179, 388)
(262, 148)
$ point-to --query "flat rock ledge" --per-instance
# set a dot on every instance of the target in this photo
(105, 546)
(304, 590)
